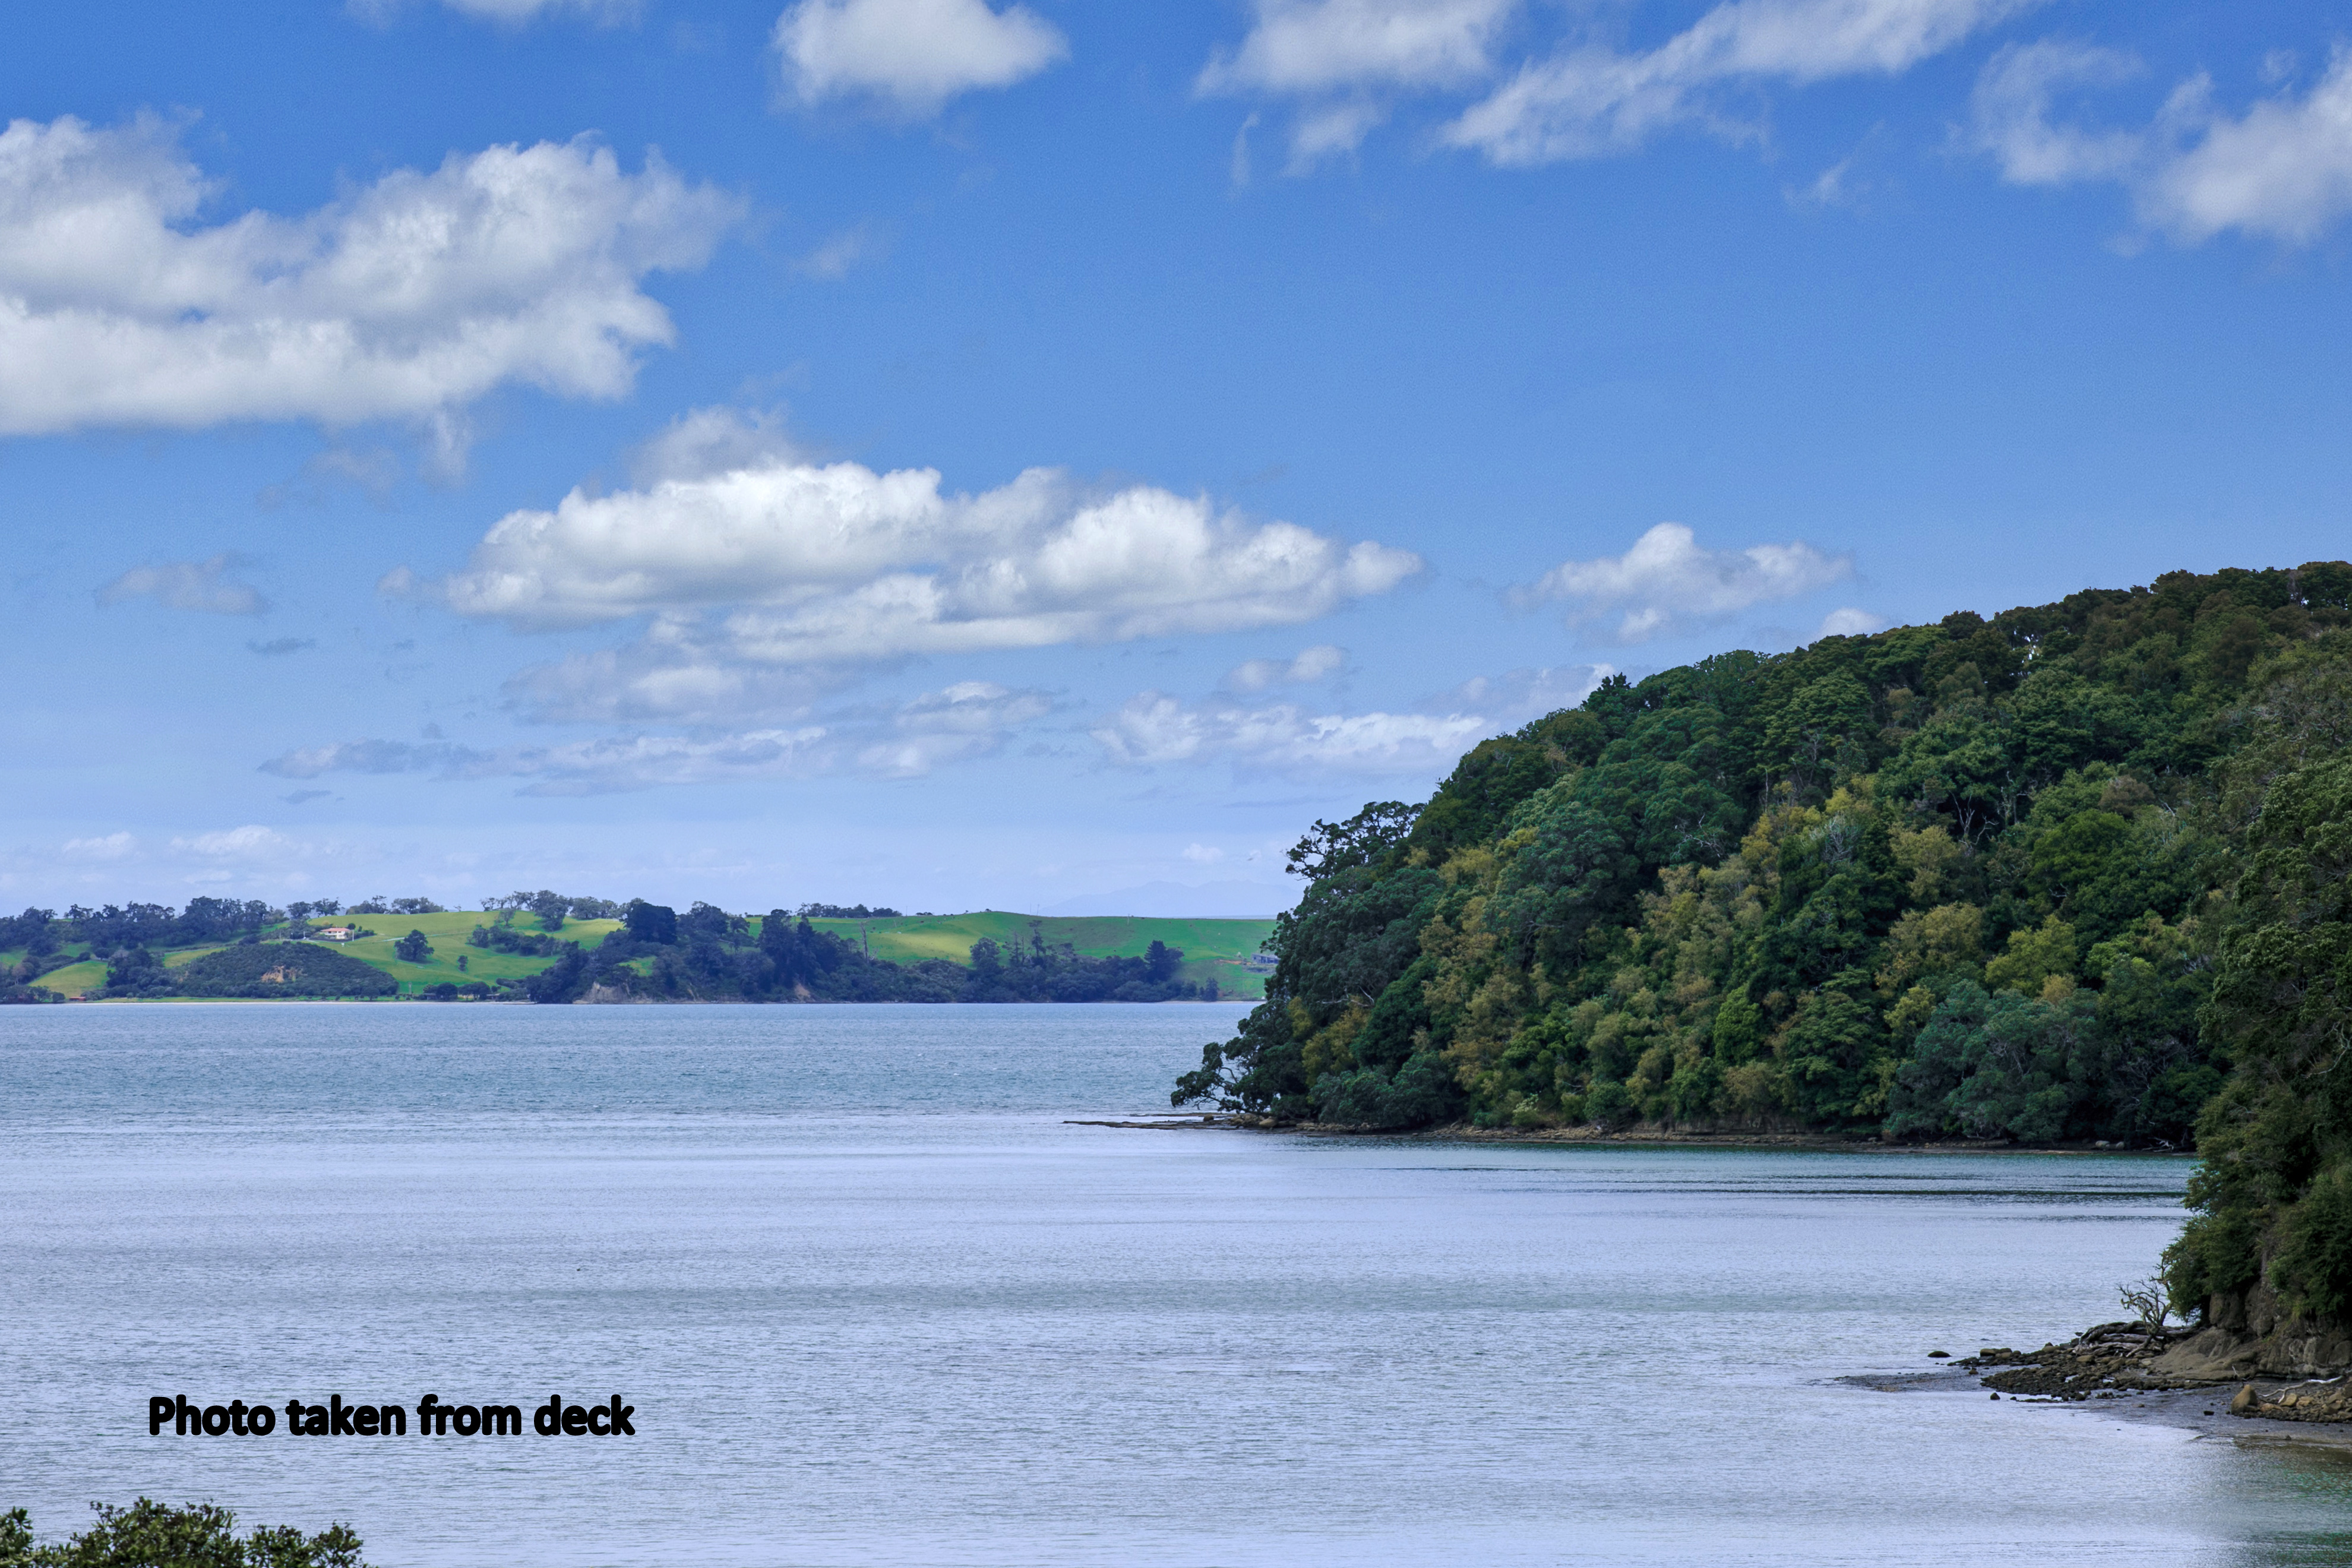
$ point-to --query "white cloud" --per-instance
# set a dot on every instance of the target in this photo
(703, 442)
(841, 253)
(509, 13)
(680, 672)
(968, 719)
(2281, 170)
(765, 581)
(1324, 46)
(407, 299)
(1666, 583)
(962, 723)
(1334, 129)
(1518, 696)
(187, 585)
(1238, 168)
(600, 766)
(1153, 728)
(1590, 102)
(1342, 58)
(1203, 854)
(841, 563)
(514, 12)
(914, 53)
(2012, 107)
(1312, 664)
(250, 842)
(1851, 623)
(112, 846)
(1847, 183)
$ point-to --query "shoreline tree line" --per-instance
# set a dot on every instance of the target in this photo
(704, 954)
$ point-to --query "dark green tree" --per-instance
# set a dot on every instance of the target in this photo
(149, 1534)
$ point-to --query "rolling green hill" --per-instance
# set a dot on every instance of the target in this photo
(447, 933)
(289, 969)
(1214, 949)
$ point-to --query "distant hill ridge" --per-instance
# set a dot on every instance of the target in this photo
(500, 953)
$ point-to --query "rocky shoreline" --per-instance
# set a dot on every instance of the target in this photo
(2214, 1380)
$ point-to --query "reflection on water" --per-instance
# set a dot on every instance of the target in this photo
(876, 1303)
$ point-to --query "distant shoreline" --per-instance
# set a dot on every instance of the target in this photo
(633, 1002)
(1459, 1132)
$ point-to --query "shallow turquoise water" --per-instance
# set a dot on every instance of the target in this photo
(877, 1302)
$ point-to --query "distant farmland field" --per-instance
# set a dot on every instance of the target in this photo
(1214, 950)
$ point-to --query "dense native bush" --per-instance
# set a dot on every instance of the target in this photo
(281, 969)
(2275, 1188)
(1962, 880)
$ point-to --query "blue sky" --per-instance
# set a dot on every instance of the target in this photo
(955, 454)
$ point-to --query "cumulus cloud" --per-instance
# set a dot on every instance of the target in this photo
(958, 723)
(2281, 170)
(189, 585)
(1590, 102)
(1343, 57)
(406, 300)
(913, 55)
(1666, 583)
(765, 581)
(1851, 623)
(844, 562)
(1312, 665)
(1153, 728)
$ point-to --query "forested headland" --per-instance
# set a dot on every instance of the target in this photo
(2073, 872)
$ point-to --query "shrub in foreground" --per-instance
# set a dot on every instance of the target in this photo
(148, 1535)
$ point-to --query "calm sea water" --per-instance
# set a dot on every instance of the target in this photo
(877, 1302)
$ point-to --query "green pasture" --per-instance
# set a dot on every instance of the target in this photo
(447, 933)
(73, 978)
(1214, 950)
